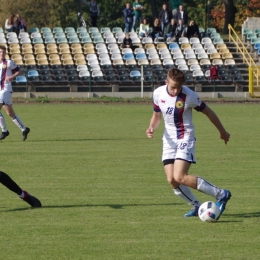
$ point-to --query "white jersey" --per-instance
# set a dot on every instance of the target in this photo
(177, 111)
(7, 69)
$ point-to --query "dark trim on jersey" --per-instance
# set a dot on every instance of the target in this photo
(15, 70)
(201, 107)
(156, 108)
(178, 114)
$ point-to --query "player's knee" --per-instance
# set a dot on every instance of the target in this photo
(181, 178)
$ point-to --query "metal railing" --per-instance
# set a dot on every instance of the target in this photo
(254, 70)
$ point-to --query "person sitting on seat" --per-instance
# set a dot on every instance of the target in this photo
(193, 30)
(127, 42)
(157, 30)
(144, 29)
(180, 30)
(170, 29)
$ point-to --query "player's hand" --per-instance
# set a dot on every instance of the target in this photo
(8, 79)
(149, 132)
(225, 136)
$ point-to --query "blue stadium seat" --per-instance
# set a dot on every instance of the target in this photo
(174, 45)
(128, 56)
(21, 80)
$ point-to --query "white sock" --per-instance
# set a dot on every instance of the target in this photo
(2, 123)
(185, 194)
(22, 195)
(18, 122)
(208, 188)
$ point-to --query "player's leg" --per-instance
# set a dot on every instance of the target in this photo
(184, 156)
(182, 191)
(5, 132)
(17, 121)
(181, 175)
(11, 185)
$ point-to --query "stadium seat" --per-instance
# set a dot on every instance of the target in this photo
(209, 31)
(226, 79)
(93, 30)
(238, 79)
(33, 29)
(69, 29)
(183, 40)
(81, 30)
(194, 40)
(128, 56)
(62, 40)
(218, 40)
(117, 29)
(57, 30)
(21, 80)
(146, 40)
(72, 35)
(84, 34)
(98, 40)
(59, 35)
(25, 40)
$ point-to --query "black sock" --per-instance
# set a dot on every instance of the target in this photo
(9, 183)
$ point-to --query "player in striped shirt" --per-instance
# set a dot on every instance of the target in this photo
(175, 103)
(8, 72)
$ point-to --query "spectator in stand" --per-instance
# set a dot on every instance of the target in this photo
(170, 29)
(164, 16)
(127, 42)
(21, 25)
(157, 29)
(180, 30)
(138, 8)
(128, 18)
(182, 15)
(175, 5)
(144, 29)
(10, 23)
(94, 11)
(193, 30)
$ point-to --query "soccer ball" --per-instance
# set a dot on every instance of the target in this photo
(209, 211)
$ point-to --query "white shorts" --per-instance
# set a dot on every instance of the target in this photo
(179, 149)
(6, 97)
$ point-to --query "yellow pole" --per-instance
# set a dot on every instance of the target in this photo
(250, 81)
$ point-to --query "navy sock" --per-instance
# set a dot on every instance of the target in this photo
(9, 183)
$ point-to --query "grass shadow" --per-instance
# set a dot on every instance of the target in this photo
(113, 206)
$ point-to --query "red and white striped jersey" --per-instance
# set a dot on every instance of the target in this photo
(7, 69)
(177, 111)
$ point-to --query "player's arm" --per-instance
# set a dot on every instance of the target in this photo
(16, 73)
(154, 123)
(216, 122)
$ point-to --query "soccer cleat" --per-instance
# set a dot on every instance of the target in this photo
(4, 135)
(221, 203)
(34, 202)
(193, 212)
(25, 133)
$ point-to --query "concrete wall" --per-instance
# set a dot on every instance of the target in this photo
(121, 94)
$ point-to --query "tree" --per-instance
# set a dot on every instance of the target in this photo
(230, 12)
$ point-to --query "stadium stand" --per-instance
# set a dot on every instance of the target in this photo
(54, 59)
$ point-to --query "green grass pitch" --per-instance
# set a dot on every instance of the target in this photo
(104, 191)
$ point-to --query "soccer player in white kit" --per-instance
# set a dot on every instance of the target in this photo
(8, 71)
(175, 102)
